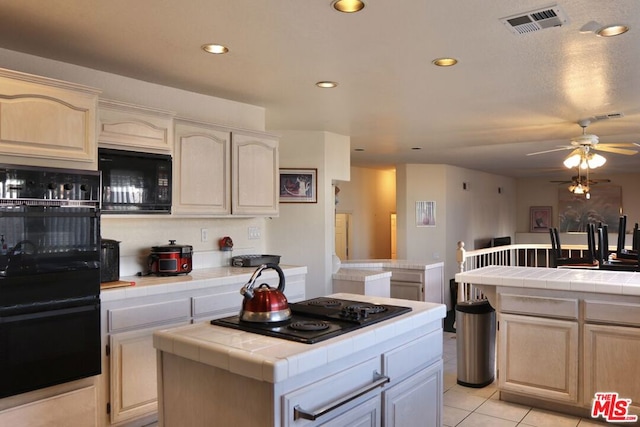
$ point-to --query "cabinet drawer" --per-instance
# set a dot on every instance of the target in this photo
(565, 308)
(216, 305)
(612, 312)
(330, 393)
(406, 276)
(148, 315)
(412, 356)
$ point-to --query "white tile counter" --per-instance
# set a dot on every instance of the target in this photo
(564, 279)
(197, 279)
(274, 359)
(383, 373)
(364, 282)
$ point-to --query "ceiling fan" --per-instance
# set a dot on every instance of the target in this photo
(585, 149)
(581, 180)
(581, 184)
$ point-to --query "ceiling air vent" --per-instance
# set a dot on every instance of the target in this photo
(608, 116)
(535, 20)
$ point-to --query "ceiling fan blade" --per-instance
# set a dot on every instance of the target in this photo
(550, 151)
(618, 144)
(615, 150)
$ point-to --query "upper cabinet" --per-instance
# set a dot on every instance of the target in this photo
(255, 174)
(219, 171)
(201, 169)
(46, 122)
(131, 127)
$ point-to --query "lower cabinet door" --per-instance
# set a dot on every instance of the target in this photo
(406, 290)
(133, 374)
(538, 356)
(416, 401)
(366, 414)
(610, 358)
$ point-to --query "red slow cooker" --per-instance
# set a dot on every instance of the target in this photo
(171, 259)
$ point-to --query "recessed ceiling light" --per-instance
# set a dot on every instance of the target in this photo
(327, 84)
(348, 6)
(445, 62)
(612, 30)
(215, 48)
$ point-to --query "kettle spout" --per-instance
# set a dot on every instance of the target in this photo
(247, 289)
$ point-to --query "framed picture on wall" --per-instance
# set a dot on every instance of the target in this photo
(540, 219)
(298, 185)
(425, 214)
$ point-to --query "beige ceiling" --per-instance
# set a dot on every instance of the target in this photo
(508, 96)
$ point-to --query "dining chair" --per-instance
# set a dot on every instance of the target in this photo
(588, 260)
(621, 252)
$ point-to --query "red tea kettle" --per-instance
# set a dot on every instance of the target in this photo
(264, 304)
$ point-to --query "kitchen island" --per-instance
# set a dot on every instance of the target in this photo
(414, 280)
(391, 369)
(564, 334)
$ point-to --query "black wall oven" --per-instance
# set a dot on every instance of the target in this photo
(49, 277)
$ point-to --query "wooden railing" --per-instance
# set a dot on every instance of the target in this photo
(521, 255)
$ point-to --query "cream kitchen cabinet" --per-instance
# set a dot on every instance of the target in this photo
(611, 345)
(46, 122)
(538, 346)
(255, 174)
(131, 359)
(539, 357)
(219, 171)
(131, 127)
(202, 169)
(128, 384)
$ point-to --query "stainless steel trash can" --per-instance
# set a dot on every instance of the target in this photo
(476, 340)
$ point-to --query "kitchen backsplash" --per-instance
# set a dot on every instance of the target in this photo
(138, 235)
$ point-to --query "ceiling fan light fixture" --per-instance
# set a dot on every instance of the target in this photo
(579, 189)
(573, 161)
(612, 30)
(348, 6)
(595, 160)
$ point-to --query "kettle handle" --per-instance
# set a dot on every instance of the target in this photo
(247, 289)
(278, 270)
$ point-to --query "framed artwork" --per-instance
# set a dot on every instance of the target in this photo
(540, 219)
(576, 211)
(298, 185)
(425, 214)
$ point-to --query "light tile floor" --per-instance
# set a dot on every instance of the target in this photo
(480, 407)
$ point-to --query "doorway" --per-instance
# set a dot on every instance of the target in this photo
(393, 236)
(343, 235)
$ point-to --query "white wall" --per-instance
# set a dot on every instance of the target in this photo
(474, 215)
(303, 232)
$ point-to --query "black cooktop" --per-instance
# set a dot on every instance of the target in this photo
(319, 319)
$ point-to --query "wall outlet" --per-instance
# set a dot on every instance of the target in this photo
(204, 235)
(253, 232)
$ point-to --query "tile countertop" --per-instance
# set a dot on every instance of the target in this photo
(597, 281)
(197, 279)
(389, 263)
(275, 359)
(356, 275)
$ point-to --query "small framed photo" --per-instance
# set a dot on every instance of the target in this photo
(425, 214)
(540, 219)
(298, 185)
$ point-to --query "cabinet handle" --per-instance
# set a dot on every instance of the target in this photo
(378, 381)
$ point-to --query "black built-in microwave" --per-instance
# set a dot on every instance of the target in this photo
(135, 183)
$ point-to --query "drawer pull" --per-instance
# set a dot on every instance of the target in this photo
(378, 381)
